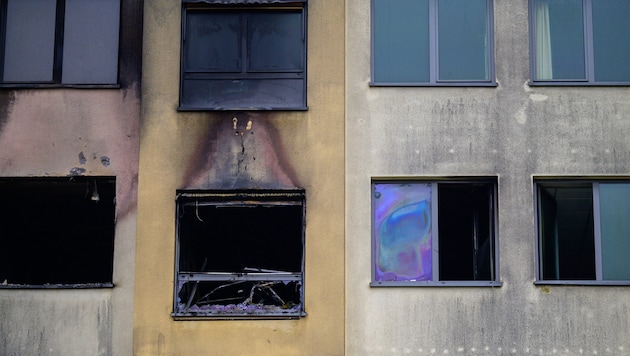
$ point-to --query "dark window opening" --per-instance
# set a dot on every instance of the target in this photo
(240, 254)
(57, 232)
(465, 227)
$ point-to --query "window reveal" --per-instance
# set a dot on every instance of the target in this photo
(414, 220)
(240, 254)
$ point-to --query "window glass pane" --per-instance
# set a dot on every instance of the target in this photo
(611, 40)
(566, 230)
(559, 39)
(463, 39)
(614, 203)
(30, 40)
(402, 232)
(466, 225)
(275, 41)
(90, 43)
(213, 41)
(401, 40)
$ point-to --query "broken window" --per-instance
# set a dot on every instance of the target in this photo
(434, 233)
(240, 254)
(57, 232)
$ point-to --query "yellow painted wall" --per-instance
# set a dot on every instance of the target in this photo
(310, 146)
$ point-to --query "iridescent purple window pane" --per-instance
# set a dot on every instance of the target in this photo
(402, 232)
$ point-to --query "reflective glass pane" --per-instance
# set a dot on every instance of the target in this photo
(402, 232)
(566, 232)
(614, 203)
(275, 41)
(213, 42)
(401, 40)
(567, 39)
(30, 40)
(463, 39)
(90, 42)
(611, 40)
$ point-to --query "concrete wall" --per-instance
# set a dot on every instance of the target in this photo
(202, 149)
(42, 133)
(513, 131)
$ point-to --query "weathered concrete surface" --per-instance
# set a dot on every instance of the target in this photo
(204, 150)
(514, 132)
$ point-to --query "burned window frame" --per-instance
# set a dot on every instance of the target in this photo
(255, 278)
(435, 278)
(63, 233)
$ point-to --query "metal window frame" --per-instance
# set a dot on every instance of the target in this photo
(589, 53)
(436, 282)
(434, 53)
(537, 183)
(238, 198)
(244, 7)
(57, 56)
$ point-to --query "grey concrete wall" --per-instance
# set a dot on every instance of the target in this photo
(513, 131)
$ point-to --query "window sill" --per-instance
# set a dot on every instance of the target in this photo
(58, 286)
(577, 84)
(211, 317)
(59, 86)
(194, 108)
(583, 283)
(441, 84)
(437, 284)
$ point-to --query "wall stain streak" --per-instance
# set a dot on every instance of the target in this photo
(241, 151)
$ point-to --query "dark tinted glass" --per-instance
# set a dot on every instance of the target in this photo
(213, 41)
(401, 40)
(275, 41)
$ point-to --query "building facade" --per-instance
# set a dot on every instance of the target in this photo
(69, 143)
(484, 129)
(240, 195)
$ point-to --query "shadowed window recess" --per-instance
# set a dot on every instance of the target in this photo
(580, 42)
(57, 232)
(583, 231)
(434, 233)
(432, 42)
(240, 254)
(59, 42)
(243, 55)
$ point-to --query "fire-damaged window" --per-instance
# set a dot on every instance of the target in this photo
(240, 254)
(243, 54)
(59, 42)
(433, 233)
(57, 232)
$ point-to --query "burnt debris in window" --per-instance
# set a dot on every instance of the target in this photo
(57, 232)
(240, 253)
